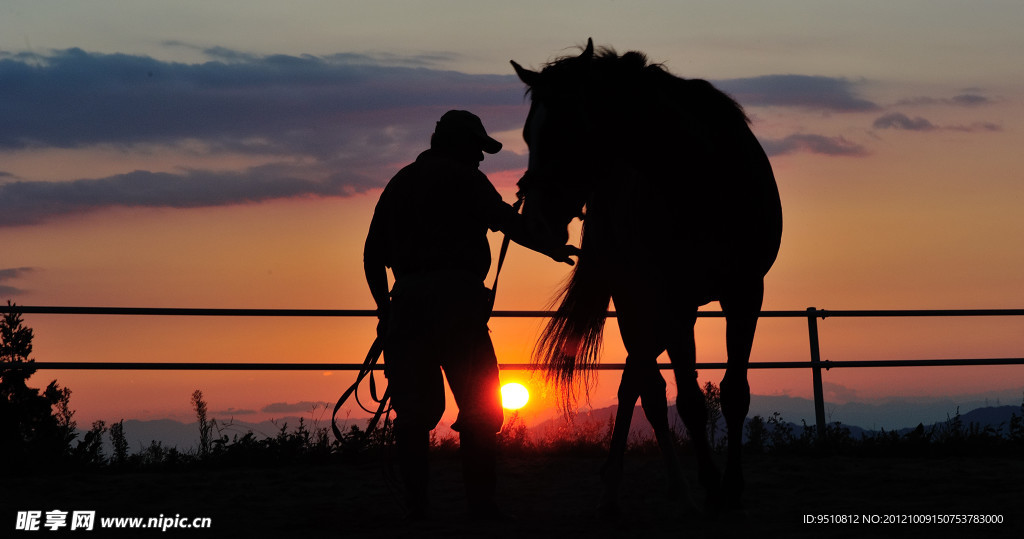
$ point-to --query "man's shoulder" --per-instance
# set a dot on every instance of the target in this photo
(435, 160)
(407, 174)
(434, 175)
(411, 169)
(432, 167)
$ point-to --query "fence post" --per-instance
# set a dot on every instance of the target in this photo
(819, 394)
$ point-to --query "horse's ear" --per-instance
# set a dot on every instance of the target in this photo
(588, 52)
(525, 75)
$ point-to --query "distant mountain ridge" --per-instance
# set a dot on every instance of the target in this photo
(996, 417)
(185, 436)
(860, 418)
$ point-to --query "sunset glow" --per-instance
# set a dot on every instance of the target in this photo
(514, 396)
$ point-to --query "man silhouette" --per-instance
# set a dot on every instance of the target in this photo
(430, 227)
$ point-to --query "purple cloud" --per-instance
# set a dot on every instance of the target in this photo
(309, 105)
(331, 125)
(347, 119)
(292, 104)
(26, 203)
(802, 91)
(898, 120)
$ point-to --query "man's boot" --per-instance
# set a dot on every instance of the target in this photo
(413, 447)
(479, 463)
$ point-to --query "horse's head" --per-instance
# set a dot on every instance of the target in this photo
(559, 136)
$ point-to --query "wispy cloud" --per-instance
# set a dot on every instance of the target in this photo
(231, 412)
(287, 408)
(970, 100)
(840, 393)
(810, 92)
(433, 60)
(961, 100)
(10, 274)
(976, 127)
(898, 120)
(819, 144)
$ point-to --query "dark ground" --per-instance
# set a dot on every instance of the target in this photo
(550, 496)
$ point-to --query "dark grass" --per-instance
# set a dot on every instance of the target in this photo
(548, 495)
(301, 483)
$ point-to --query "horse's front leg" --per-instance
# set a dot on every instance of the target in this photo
(735, 392)
(741, 312)
(611, 472)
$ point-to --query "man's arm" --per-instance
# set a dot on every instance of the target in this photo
(500, 215)
(513, 225)
(375, 269)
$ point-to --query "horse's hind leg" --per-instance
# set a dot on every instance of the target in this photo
(693, 410)
(655, 404)
(611, 472)
(741, 311)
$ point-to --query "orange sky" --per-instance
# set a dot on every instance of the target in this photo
(899, 175)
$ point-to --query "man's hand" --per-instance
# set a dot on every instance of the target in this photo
(383, 317)
(562, 254)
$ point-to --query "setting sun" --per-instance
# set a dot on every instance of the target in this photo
(514, 396)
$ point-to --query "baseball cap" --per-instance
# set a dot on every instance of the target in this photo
(461, 123)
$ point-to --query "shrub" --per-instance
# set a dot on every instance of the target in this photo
(756, 435)
(514, 436)
(119, 443)
(34, 427)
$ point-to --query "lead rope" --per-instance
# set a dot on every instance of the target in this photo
(376, 349)
(501, 259)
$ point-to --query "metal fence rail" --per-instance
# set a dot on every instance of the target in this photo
(177, 311)
(812, 314)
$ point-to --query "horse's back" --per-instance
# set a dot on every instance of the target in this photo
(717, 214)
(723, 187)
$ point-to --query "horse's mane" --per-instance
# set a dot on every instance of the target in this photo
(606, 71)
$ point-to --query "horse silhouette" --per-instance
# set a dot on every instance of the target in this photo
(681, 209)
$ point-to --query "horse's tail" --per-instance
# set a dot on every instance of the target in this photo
(570, 345)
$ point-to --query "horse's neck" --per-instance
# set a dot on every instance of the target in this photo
(626, 200)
